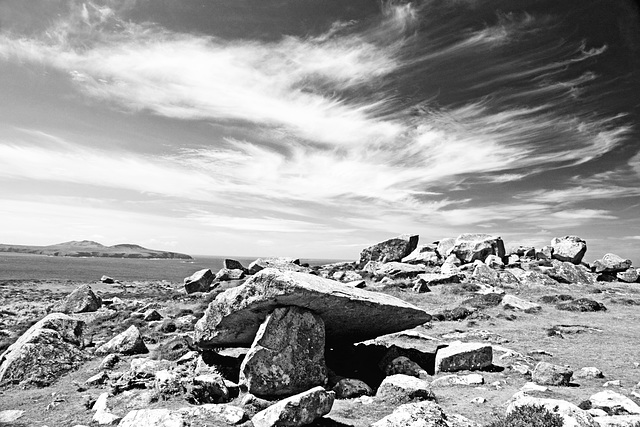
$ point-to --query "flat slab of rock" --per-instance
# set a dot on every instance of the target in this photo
(287, 356)
(298, 410)
(349, 314)
(464, 356)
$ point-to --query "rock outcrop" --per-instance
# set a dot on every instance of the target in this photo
(349, 314)
(390, 250)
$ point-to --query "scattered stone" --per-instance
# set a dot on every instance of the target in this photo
(589, 372)
(568, 248)
(611, 263)
(297, 410)
(127, 342)
(10, 415)
(479, 400)
(484, 300)
(566, 272)
(200, 281)
(152, 418)
(533, 278)
(434, 279)
(287, 355)
(403, 388)
(47, 350)
(453, 380)
(485, 274)
(552, 299)
(520, 304)
(208, 388)
(209, 412)
(613, 383)
(167, 382)
(108, 280)
(226, 274)
(348, 388)
(417, 414)
(614, 403)
(582, 305)
(420, 286)
(278, 263)
(549, 374)
(530, 386)
(424, 254)
(464, 356)
(471, 247)
(103, 415)
(404, 365)
(349, 314)
(398, 270)
(97, 379)
(629, 276)
(390, 250)
(618, 421)
(81, 300)
(232, 264)
(152, 315)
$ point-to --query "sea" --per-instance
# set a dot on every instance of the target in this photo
(42, 267)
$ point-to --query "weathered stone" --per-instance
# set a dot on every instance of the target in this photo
(145, 367)
(97, 379)
(411, 344)
(390, 250)
(232, 264)
(470, 247)
(582, 305)
(47, 350)
(399, 270)
(519, 303)
(464, 356)
(611, 263)
(349, 314)
(109, 362)
(485, 274)
(618, 421)
(434, 279)
(200, 281)
(568, 248)
(494, 261)
(404, 388)
(108, 280)
(566, 272)
(453, 380)
(348, 388)
(297, 410)
(167, 382)
(614, 403)
(533, 278)
(629, 276)
(420, 286)
(549, 374)
(81, 300)
(152, 418)
(287, 355)
(445, 246)
(417, 414)
(451, 265)
(572, 416)
(10, 415)
(405, 366)
(127, 342)
(525, 251)
(209, 412)
(226, 274)
(279, 263)
(208, 388)
(589, 372)
(152, 315)
(424, 254)
(103, 415)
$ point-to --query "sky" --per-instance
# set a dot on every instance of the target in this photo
(314, 128)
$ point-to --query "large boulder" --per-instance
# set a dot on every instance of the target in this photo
(200, 281)
(298, 410)
(287, 355)
(611, 263)
(569, 249)
(127, 342)
(279, 263)
(390, 250)
(471, 247)
(47, 350)
(566, 272)
(81, 300)
(349, 314)
(464, 356)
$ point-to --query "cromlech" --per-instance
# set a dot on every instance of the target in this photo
(463, 331)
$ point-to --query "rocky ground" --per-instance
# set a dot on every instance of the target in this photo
(464, 322)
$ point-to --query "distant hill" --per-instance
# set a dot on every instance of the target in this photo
(88, 248)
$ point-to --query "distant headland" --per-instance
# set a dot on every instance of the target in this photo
(88, 248)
